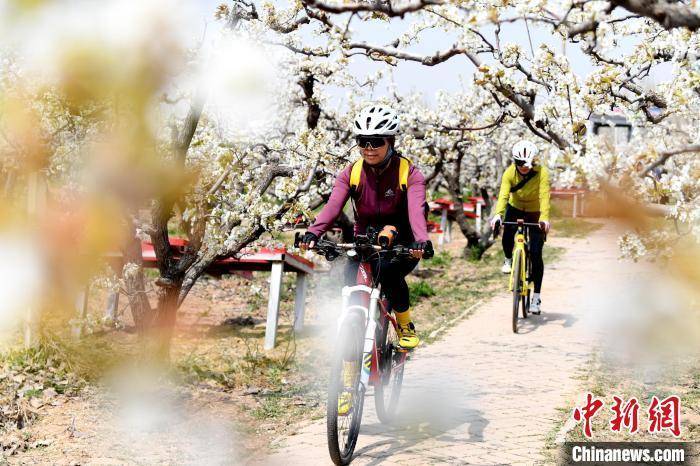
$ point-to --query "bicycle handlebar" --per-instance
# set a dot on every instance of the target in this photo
(332, 250)
(527, 224)
(520, 222)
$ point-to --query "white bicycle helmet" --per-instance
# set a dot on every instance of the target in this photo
(525, 151)
(376, 120)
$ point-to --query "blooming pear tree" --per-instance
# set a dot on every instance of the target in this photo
(168, 145)
(643, 60)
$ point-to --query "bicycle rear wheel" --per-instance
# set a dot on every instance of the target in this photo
(530, 285)
(516, 289)
(391, 365)
(526, 303)
(343, 430)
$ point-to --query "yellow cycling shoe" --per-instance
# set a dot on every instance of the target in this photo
(407, 336)
(344, 403)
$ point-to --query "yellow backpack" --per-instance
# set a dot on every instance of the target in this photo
(356, 174)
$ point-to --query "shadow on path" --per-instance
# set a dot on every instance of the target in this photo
(436, 417)
(533, 322)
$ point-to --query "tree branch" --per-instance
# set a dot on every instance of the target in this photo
(428, 60)
(371, 5)
(669, 14)
(664, 156)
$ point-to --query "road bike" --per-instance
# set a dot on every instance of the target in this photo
(520, 281)
(367, 341)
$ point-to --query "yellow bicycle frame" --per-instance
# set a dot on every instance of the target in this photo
(519, 253)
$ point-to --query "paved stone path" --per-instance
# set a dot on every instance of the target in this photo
(483, 395)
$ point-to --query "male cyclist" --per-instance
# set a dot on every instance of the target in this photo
(383, 200)
(525, 194)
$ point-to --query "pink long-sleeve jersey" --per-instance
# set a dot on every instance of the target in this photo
(379, 201)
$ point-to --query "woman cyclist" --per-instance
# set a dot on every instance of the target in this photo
(383, 202)
(525, 194)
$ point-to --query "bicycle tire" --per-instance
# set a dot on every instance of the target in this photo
(391, 366)
(526, 303)
(340, 448)
(516, 289)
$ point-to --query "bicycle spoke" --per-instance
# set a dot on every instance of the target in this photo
(387, 392)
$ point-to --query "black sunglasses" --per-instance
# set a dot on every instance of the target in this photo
(374, 142)
(520, 163)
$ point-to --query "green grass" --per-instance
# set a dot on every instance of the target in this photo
(573, 227)
(271, 407)
(417, 290)
(88, 359)
(34, 392)
(440, 259)
(551, 254)
(236, 369)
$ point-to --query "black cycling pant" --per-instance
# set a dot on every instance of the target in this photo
(536, 241)
(392, 276)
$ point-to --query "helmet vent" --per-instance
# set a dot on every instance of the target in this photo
(376, 120)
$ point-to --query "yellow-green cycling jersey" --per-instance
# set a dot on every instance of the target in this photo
(532, 197)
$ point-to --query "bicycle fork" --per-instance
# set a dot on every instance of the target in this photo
(370, 318)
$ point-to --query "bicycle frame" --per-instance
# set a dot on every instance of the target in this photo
(519, 245)
(374, 312)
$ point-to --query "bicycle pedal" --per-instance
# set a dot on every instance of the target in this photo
(401, 349)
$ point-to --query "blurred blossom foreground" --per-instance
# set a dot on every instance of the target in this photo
(224, 126)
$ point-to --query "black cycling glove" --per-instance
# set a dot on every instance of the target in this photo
(309, 238)
(426, 247)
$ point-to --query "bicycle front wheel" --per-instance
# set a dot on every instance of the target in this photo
(343, 429)
(517, 284)
(391, 364)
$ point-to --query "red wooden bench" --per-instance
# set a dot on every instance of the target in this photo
(575, 193)
(434, 227)
(277, 261)
(471, 209)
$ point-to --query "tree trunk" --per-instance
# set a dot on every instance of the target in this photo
(135, 285)
(476, 244)
(168, 295)
(313, 111)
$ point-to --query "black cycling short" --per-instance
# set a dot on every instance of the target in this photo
(536, 241)
(392, 276)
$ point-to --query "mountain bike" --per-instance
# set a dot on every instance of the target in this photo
(367, 340)
(520, 281)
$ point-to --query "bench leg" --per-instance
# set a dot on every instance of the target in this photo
(443, 227)
(81, 308)
(273, 305)
(112, 306)
(478, 217)
(299, 302)
(574, 210)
